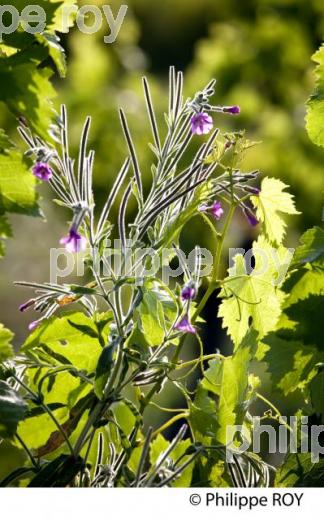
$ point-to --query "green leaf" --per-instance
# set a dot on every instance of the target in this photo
(311, 248)
(303, 308)
(17, 185)
(151, 318)
(58, 473)
(315, 105)
(270, 204)
(5, 232)
(12, 410)
(160, 445)
(27, 90)
(54, 10)
(103, 369)
(298, 470)
(202, 418)
(228, 379)
(6, 350)
(63, 336)
(253, 299)
(156, 312)
(5, 143)
(290, 363)
(55, 50)
(317, 394)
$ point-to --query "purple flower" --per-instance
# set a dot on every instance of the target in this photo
(235, 109)
(33, 325)
(253, 221)
(184, 325)
(188, 293)
(42, 171)
(26, 305)
(74, 242)
(215, 209)
(201, 123)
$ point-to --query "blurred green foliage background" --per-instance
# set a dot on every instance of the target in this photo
(259, 52)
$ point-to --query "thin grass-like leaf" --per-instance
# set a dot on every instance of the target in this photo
(112, 195)
(132, 152)
(151, 114)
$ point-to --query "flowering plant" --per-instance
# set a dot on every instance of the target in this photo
(75, 397)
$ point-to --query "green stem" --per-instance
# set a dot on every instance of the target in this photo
(171, 421)
(277, 412)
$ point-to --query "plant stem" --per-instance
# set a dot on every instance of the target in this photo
(169, 423)
(278, 414)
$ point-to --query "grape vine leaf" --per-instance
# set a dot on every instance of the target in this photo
(17, 185)
(6, 350)
(269, 204)
(291, 364)
(26, 89)
(255, 298)
(228, 378)
(311, 248)
(298, 470)
(17, 189)
(12, 410)
(5, 232)
(74, 337)
(315, 104)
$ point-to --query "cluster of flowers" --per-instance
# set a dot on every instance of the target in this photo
(201, 124)
(73, 242)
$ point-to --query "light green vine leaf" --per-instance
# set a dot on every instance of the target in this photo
(27, 90)
(254, 299)
(228, 378)
(315, 105)
(17, 189)
(74, 337)
(270, 204)
(5, 232)
(311, 248)
(6, 350)
(17, 185)
(290, 363)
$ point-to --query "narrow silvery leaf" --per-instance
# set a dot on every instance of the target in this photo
(122, 214)
(132, 152)
(171, 90)
(151, 114)
(112, 195)
(82, 156)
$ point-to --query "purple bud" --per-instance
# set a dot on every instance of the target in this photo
(251, 189)
(235, 109)
(74, 242)
(26, 305)
(184, 325)
(201, 123)
(188, 293)
(253, 221)
(42, 171)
